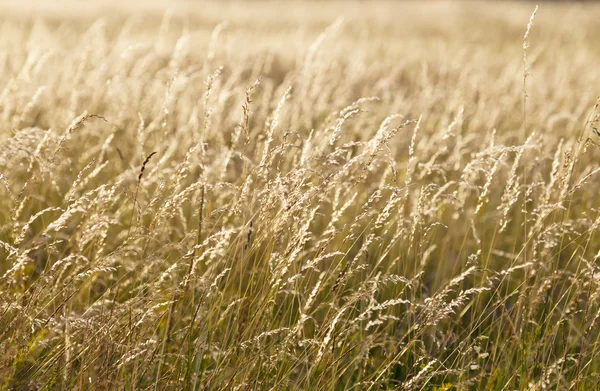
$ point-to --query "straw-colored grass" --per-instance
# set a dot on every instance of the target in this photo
(299, 195)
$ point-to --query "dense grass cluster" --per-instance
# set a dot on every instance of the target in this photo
(309, 196)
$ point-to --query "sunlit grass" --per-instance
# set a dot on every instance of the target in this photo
(262, 195)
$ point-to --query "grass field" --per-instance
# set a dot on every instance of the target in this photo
(299, 196)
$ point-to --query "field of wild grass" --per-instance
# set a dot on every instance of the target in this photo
(299, 196)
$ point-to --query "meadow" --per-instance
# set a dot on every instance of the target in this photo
(299, 195)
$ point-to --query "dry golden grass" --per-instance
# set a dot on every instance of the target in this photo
(299, 195)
